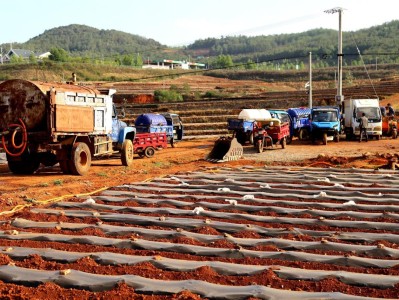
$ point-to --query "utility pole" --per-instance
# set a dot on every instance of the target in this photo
(1, 55)
(310, 80)
(339, 98)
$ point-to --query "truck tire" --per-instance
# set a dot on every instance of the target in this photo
(127, 153)
(81, 159)
(324, 138)
(394, 133)
(259, 147)
(23, 167)
(64, 165)
(283, 142)
(27, 165)
(149, 151)
(303, 134)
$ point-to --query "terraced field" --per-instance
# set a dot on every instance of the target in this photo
(208, 117)
(225, 233)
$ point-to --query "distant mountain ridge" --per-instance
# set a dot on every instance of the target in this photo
(82, 40)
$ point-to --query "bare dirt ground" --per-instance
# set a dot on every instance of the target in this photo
(47, 226)
(129, 221)
(50, 183)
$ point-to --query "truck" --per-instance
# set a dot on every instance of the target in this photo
(284, 117)
(145, 144)
(66, 123)
(325, 124)
(169, 123)
(353, 109)
(300, 125)
(244, 125)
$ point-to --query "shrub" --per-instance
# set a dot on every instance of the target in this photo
(167, 96)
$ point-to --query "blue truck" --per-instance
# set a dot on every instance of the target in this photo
(325, 124)
(300, 125)
(244, 126)
(169, 123)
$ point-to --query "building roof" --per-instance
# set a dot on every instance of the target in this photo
(20, 52)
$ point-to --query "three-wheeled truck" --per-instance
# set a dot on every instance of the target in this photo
(168, 123)
(145, 144)
(325, 124)
(271, 132)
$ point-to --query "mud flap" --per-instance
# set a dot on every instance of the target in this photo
(225, 149)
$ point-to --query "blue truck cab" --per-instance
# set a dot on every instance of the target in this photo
(325, 124)
(300, 126)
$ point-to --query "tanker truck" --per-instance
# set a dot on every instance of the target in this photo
(52, 123)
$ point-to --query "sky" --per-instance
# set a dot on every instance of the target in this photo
(181, 22)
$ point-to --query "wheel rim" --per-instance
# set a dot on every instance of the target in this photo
(81, 159)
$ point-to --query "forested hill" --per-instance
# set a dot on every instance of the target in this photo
(381, 41)
(81, 40)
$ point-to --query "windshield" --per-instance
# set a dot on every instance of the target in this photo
(325, 116)
(372, 113)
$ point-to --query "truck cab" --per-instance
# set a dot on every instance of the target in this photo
(354, 108)
(325, 124)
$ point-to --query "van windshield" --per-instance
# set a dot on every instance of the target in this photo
(372, 113)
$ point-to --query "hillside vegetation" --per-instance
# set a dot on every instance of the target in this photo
(288, 50)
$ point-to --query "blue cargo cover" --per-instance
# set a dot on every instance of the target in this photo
(150, 120)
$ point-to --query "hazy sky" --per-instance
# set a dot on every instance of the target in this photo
(181, 22)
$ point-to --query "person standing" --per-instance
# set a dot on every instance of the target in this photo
(363, 124)
(390, 110)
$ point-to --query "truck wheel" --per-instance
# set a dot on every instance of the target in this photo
(64, 165)
(25, 167)
(149, 152)
(394, 133)
(28, 165)
(127, 153)
(324, 138)
(303, 134)
(259, 144)
(283, 142)
(251, 138)
(81, 159)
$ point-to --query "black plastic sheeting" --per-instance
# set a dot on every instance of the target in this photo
(314, 202)
(97, 283)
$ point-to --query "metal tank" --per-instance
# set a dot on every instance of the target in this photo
(29, 100)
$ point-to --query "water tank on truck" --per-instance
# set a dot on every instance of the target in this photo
(49, 123)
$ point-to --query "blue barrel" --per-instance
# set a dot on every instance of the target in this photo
(150, 120)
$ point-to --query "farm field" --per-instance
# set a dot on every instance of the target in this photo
(304, 222)
(177, 226)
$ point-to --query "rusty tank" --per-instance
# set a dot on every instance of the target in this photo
(29, 100)
(49, 123)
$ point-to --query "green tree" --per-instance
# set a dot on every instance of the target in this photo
(32, 59)
(59, 54)
(250, 65)
(15, 59)
(223, 61)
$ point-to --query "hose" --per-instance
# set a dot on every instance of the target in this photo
(22, 146)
